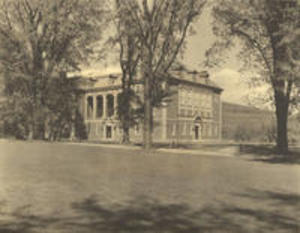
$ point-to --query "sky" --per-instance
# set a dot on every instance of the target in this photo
(227, 77)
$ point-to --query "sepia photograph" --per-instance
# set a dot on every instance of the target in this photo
(149, 116)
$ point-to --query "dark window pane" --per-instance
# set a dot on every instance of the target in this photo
(110, 105)
(99, 106)
(90, 107)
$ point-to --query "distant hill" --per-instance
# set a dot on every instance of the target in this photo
(242, 122)
(294, 128)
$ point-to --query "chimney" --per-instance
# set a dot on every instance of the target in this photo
(204, 74)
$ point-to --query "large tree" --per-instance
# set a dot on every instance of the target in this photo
(265, 32)
(129, 45)
(40, 39)
(161, 26)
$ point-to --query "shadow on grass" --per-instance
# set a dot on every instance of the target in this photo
(277, 198)
(269, 154)
(151, 216)
(20, 221)
(145, 215)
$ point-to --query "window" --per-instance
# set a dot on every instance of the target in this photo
(110, 105)
(189, 97)
(182, 112)
(204, 132)
(99, 106)
(174, 130)
(209, 130)
(183, 128)
(90, 107)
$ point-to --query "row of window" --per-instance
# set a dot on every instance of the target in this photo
(195, 98)
(187, 129)
(110, 106)
(193, 112)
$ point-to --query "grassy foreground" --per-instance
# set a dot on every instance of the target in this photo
(75, 188)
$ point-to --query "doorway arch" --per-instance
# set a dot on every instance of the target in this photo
(197, 128)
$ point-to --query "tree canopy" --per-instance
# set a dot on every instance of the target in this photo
(161, 27)
(267, 32)
(40, 40)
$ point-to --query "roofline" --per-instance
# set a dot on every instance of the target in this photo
(219, 89)
(86, 77)
(215, 88)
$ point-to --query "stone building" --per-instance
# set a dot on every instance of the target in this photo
(193, 113)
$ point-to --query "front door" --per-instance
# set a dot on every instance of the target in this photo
(108, 132)
(197, 132)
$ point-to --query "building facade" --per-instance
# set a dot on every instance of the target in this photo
(192, 114)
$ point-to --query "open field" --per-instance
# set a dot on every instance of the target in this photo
(48, 187)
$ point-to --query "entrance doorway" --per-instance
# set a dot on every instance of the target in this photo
(108, 132)
(197, 128)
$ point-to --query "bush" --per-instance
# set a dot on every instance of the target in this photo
(80, 128)
(271, 133)
(241, 134)
(294, 131)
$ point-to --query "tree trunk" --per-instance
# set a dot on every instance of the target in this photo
(147, 115)
(31, 127)
(125, 137)
(30, 133)
(72, 132)
(282, 106)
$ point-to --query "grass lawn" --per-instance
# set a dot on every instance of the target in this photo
(55, 188)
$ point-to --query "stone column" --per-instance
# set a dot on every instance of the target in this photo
(104, 115)
(104, 106)
(220, 117)
(85, 106)
(94, 107)
(115, 103)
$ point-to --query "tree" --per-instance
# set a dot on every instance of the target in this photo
(126, 38)
(161, 27)
(40, 39)
(262, 29)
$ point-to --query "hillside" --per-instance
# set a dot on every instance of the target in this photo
(245, 122)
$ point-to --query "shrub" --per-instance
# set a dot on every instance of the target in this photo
(241, 134)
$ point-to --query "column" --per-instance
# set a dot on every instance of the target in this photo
(104, 106)
(85, 106)
(104, 116)
(94, 106)
(220, 118)
(115, 103)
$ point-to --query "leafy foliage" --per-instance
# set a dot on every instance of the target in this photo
(266, 32)
(129, 102)
(40, 40)
(161, 28)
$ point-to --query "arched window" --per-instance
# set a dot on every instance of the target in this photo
(110, 105)
(90, 107)
(99, 106)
